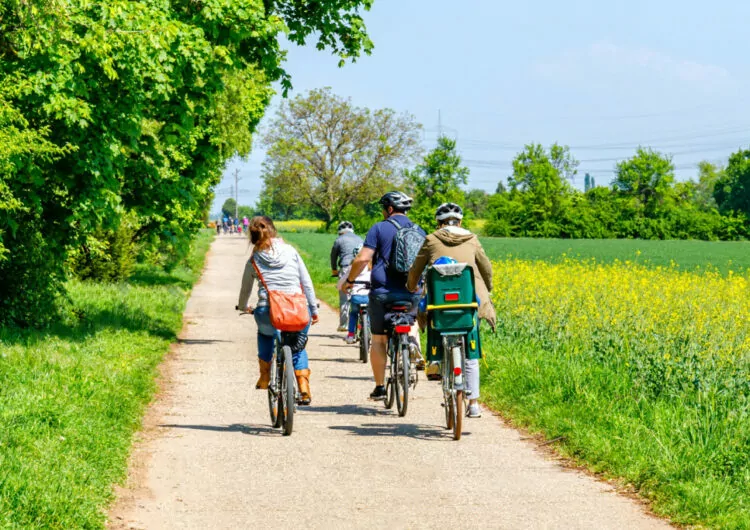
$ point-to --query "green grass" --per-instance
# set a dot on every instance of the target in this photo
(682, 454)
(723, 255)
(72, 396)
(688, 255)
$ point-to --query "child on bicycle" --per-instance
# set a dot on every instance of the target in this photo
(358, 295)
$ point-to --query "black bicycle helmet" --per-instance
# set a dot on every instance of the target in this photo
(449, 210)
(345, 225)
(400, 202)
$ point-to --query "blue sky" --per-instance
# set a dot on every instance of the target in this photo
(601, 77)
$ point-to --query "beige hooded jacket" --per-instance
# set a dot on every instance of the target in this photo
(463, 246)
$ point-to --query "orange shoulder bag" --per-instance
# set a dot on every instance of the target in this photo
(288, 311)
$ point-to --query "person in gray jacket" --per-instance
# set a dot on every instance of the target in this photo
(342, 255)
(282, 269)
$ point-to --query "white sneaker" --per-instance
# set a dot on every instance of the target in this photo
(351, 339)
(474, 411)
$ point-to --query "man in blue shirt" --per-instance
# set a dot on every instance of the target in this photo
(387, 285)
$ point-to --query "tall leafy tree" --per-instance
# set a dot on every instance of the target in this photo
(539, 180)
(436, 180)
(648, 177)
(324, 151)
(708, 175)
(732, 189)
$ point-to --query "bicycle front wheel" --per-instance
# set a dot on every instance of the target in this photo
(287, 392)
(402, 376)
(364, 342)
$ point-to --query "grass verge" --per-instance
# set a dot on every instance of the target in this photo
(72, 396)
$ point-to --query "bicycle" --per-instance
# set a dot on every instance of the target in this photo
(283, 394)
(364, 335)
(452, 320)
(402, 376)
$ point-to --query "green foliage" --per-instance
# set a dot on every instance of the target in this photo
(732, 189)
(135, 106)
(648, 177)
(329, 154)
(109, 255)
(436, 180)
(643, 202)
(245, 211)
(228, 207)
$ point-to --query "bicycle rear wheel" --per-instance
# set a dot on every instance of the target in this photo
(274, 397)
(447, 396)
(364, 341)
(287, 392)
(402, 376)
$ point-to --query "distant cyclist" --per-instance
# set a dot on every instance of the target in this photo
(387, 285)
(342, 255)
(452, 241)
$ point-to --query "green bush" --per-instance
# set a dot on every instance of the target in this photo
(108, 255)
(31, 286)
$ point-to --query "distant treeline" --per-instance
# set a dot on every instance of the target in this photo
(643, 201)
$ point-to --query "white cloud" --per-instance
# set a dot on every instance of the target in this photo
(604, 57)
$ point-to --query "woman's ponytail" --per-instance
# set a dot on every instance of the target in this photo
(261, 232)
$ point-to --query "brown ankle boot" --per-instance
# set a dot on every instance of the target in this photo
(303, 382)
(265, 375)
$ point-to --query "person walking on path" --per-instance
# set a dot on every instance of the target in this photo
(282, 269)
(386, 285)
(452, 241)
(342, 255)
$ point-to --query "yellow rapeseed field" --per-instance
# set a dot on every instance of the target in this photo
(300, 225)
(640, 309)
(642, 372)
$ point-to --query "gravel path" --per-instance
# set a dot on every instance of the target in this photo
(209, 459)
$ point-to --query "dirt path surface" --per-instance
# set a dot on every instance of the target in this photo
(210, 459)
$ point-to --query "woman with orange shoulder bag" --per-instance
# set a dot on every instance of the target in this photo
(283, 280)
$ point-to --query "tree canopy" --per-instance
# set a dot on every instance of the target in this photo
(325, 152)
(436, 180)
(129, 106)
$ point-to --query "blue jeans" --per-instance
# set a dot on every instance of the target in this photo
(266, 335)
(354, 302)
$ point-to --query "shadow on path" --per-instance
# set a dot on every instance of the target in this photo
(337, 360)
(353, 410)
(407, 430)
(257, 430)
(351, 377)
(340, 336)
(200, 341)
